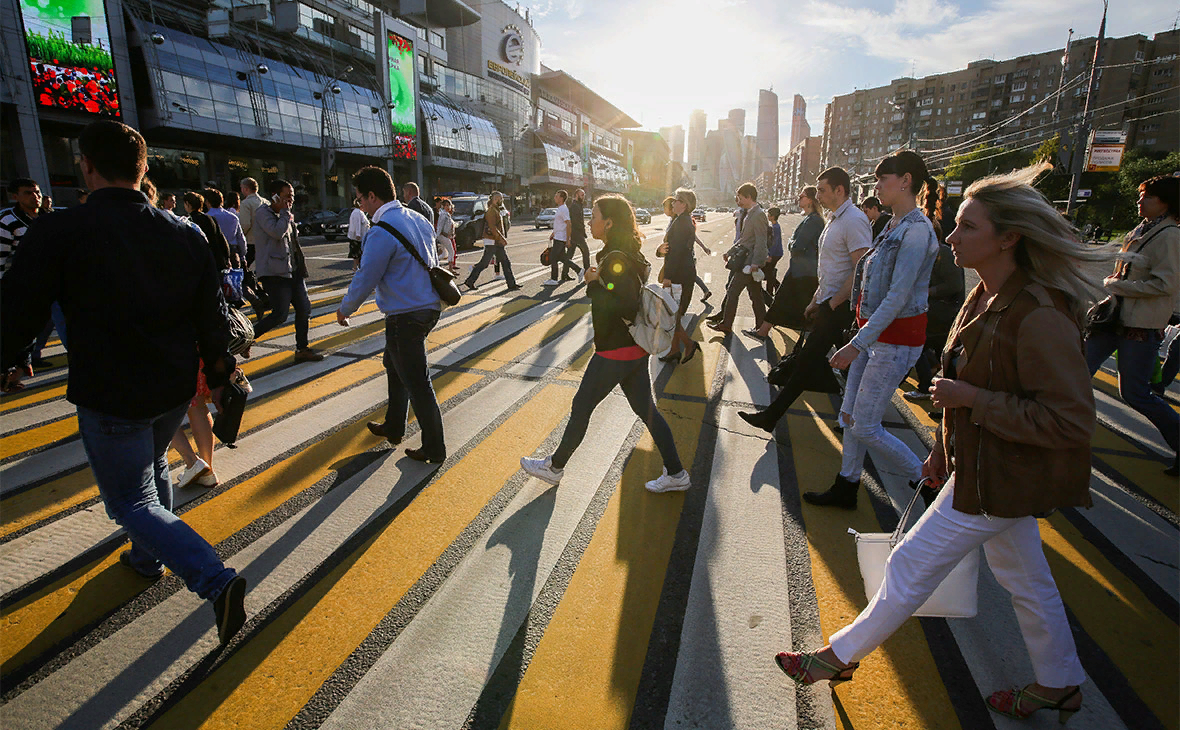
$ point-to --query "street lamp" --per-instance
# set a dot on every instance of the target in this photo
(327, 158)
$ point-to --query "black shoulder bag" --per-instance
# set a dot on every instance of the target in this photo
(1104, 315)
(442, 280)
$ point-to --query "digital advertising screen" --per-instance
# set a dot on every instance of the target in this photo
(404, 115)
(69, 48)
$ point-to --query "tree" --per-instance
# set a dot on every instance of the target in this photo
(982, 161)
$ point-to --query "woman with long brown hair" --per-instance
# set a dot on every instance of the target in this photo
(680, 268)
(614, 287)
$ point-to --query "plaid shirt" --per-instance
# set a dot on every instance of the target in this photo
(13, 224)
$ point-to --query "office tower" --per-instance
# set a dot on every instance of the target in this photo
(767, 132)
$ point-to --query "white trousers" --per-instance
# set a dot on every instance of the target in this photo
(932, 548)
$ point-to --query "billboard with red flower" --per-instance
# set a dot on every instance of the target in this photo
(70, 56)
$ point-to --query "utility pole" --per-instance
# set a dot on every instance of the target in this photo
(1064, 68)
(1079, 146)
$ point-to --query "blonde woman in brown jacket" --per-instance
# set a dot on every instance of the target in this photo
(1016, 443)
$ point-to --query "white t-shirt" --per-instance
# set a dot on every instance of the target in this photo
(358, 225)
(848, 230)
(561, 224)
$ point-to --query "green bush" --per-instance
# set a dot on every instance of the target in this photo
(55, 48)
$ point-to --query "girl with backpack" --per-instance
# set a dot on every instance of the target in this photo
(614, 288)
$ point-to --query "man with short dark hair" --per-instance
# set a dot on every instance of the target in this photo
(229, 224)
(754, 240)
(559, 251)
(415, 202)
(872, 209)
(398, 251)
(129, 406)
(14, 221)
(168, 202)
(844, 241)
(282, 269)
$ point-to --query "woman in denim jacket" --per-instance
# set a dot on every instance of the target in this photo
(889, 295)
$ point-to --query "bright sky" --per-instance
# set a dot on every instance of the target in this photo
(657, 61)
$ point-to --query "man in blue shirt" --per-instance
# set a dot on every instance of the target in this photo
(410, 305)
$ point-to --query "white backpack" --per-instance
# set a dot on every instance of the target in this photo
(655, 320)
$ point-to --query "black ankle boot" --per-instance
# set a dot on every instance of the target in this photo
(841, 494)
(758, 420)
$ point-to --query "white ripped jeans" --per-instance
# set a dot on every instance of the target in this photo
(872, 378)
(928, 553)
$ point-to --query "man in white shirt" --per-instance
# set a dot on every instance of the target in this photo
(847, 237)
(559, 240)
(358, 226)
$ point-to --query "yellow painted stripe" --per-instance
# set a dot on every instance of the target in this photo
(31, 395)
(38, 436)
(696, 377)
(270, 678)
(1137, 636)
(35, 624)
(329, 318)
(903, 669)
(475, 323)
(588, 663)
(1142, 471)
(532, 336)
(577, 368)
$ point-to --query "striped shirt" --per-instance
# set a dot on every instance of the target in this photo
(13, 224)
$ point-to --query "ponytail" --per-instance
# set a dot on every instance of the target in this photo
(930, 200)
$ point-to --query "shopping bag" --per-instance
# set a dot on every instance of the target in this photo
(956, 597)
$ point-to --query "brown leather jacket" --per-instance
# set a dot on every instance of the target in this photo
(1023, 448)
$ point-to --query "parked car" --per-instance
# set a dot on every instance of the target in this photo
(698, 214)
(338, 228)
(642, 216)
(545, 218)
(313, 224)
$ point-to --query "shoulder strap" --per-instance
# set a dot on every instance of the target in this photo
(409, 247)
(1125, 271)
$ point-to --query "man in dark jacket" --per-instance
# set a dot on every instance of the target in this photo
(142, 299)
(415, 202)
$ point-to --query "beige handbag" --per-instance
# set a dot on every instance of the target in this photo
(956, 597)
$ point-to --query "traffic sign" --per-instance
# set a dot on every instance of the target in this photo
(1084, 193)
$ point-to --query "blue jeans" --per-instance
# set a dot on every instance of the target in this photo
(872, 378)
(1136, 363)
(129, 458)
(285, 291)
(408, 375)
(602, 375)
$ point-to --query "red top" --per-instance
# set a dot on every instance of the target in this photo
(906, 331)
(632, 352)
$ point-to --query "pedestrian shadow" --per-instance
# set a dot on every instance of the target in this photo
(523, 534)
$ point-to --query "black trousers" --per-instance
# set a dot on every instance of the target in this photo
(827, 332)
(579, 243)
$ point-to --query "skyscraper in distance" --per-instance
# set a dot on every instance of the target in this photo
(737, 117)
(800, 129)
(696, 144)
(674, 136)
(767, 132)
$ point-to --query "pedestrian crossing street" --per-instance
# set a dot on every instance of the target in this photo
(385, 593)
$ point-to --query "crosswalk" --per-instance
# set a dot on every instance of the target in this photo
(385, 593)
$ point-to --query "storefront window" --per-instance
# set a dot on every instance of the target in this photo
(174, 170)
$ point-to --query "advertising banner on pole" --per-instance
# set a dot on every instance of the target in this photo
(404, 114)
(1105, 153)
(69, 46)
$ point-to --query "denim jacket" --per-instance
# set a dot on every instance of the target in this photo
(894, 276)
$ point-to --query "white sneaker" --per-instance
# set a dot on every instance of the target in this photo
(670, 482)
(209, 480)
(542, 469)
(551, 282)
(190, 475)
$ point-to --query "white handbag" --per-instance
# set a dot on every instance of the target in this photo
(956, 597)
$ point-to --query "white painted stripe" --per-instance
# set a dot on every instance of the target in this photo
(108, 683)
(38, 414)
(432, 675)
(737, 617)
(465, 347)
(556, 354)
(1122, 415)
(745, 376)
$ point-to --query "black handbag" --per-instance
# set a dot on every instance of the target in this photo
(737, 255)
(228, 421)
(442, 280)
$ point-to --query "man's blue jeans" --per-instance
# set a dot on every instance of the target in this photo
(1136, 363)
(408, 376)
(129, 458)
